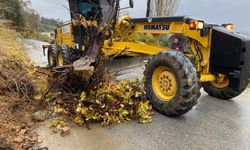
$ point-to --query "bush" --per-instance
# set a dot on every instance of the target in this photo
(44, 38)
(35, 35)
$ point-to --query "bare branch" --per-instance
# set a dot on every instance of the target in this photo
(162, 7)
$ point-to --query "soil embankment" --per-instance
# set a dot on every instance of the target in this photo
(16, 92)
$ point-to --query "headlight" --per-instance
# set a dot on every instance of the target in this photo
(228, 26)
(196, 25)
(200, 25)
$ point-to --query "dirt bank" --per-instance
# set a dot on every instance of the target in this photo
(16, 93)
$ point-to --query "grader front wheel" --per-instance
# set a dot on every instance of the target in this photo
(171, 83)
(164, 83)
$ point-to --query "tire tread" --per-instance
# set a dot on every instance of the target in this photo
(184, 69)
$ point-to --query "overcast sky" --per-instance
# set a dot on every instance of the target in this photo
(212, 11)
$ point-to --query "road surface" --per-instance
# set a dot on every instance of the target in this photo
(212, 124)
(34, 50)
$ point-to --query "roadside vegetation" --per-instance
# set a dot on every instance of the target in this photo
(26, 20)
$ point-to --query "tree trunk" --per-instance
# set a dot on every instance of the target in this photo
(148, 8)
(159, 8)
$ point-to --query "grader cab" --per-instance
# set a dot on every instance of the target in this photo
(218, 58)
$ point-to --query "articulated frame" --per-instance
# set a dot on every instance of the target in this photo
(200, 45)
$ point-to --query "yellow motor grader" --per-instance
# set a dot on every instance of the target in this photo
(218, 58)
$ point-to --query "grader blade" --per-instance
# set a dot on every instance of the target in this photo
(127, 68)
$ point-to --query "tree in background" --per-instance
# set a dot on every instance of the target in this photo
(158, 8)
(11, 10)
(25, 19)
(48, 24)
(20, 13)
(148, 8)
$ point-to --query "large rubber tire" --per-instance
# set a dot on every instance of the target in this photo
(51, 56)
(63, 56)
(221, 93)
(188, 88)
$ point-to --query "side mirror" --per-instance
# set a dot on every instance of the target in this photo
(131, 3)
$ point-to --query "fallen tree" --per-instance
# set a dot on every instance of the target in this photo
(106, 101)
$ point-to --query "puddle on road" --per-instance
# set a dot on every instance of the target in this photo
(33, 49)
(79, 138)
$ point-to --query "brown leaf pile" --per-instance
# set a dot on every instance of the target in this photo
(114, 102)
(107, 102)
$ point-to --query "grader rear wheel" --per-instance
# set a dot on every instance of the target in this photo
(171, 83)
(221, 89)
(51, 57)
(63, 56)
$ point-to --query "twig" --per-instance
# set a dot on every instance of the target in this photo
(58, 69)
(17, 88)
(62, 67)
(51, 86)
(120, 53)
(42, 72)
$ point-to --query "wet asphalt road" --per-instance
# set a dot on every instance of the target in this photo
(34, 50)
(212, 124)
